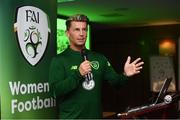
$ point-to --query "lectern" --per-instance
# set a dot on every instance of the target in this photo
(160, 111)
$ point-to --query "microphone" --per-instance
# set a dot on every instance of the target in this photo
(88, 76)
(84, 54)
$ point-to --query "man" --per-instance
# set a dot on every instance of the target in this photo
(76, 75)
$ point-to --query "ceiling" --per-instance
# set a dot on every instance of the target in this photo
(124, 12)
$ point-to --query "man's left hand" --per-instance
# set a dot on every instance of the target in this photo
(133, 68)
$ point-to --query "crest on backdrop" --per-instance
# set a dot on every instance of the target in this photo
(32, 30)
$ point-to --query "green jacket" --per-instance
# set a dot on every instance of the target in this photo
(74, 101)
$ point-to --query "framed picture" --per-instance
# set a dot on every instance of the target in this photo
(161, 67)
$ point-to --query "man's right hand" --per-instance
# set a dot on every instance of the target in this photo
(85, 68)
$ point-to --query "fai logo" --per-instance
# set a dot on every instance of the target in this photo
(95, 64)
(32, 32)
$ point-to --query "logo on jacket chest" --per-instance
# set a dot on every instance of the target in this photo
(74, 67)
(94, 65)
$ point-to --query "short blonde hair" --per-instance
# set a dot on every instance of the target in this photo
(76, 17)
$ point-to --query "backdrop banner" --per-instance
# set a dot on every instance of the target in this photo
(28, 43)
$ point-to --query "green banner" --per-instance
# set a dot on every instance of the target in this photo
(27, 36)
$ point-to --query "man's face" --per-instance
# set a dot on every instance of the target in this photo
(77, 34)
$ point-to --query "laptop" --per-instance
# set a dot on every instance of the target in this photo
(163, 90)
(159, 98)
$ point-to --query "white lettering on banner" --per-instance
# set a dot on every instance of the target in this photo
(19, 88)
(34, 104)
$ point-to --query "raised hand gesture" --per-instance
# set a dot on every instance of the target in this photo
(133, 68)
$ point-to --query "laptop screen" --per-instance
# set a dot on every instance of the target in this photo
(163, 90)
